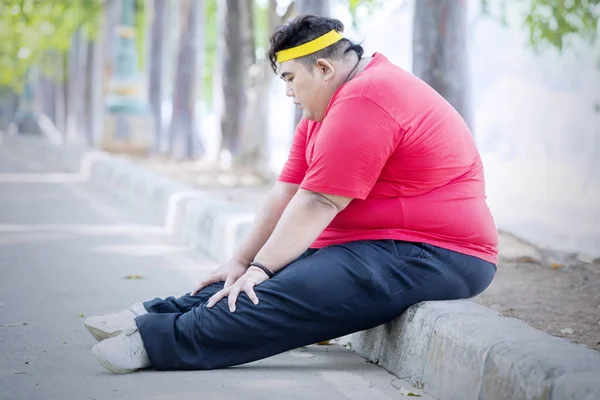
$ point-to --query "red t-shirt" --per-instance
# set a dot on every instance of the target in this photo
(408, 159)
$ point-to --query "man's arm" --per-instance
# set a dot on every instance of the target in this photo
(303, 220)
(267, 218)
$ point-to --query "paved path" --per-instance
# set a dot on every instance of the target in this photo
(65, 253)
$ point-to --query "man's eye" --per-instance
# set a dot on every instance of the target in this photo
(291, 79)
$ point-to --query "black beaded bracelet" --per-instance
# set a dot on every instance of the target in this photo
(265, 269)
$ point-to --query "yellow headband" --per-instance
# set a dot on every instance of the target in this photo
(310, 47)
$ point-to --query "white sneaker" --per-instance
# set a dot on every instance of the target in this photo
(113, 324)
(123, 353)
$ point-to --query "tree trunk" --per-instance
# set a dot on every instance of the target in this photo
(236, 56)
(440, 50)
(44, 89)
(253, 156)
(320, 8)
(314, 7)
(111, 21)
(75, 98)
(157, 57)
(92, 105)
(60, 97)
(184, 141)
(97, 95)
(60, 102)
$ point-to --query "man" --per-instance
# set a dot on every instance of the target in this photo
(380, 205)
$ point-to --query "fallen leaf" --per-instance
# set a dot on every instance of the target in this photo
(566, 331)
(557, 265)
(410, 393)
(323, 343)
(526, 260)
(81, 315)
(63, 342)
(12, 325)
(134, 277)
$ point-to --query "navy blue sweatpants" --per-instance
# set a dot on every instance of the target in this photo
(324, 294)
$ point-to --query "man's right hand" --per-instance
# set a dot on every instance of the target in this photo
(228, 272)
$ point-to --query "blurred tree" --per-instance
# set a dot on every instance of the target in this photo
(236, 56)
(318, 7)
(75, 87)
(244, 117)
(210, 69)
(93, 90)
(551, 23)
(252, 156)
(57, 42)
(35, 34)
(184, 136)
(29, 28)
(157, 61)
(440, 49)
(322, 9)
(439, 37)
(368, 5)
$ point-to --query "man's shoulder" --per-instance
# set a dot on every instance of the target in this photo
(384, 85)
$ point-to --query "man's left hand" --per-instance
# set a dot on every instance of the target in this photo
(253, 276)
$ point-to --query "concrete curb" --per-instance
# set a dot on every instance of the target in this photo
(460, 350)
(453, 349)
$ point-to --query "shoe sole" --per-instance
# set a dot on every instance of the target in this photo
(107, 365)
(99, 334)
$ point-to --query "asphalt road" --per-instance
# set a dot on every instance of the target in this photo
(66, 251)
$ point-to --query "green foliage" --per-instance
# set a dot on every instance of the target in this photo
(261, 27)
(211, 32)
(29, 29)
(551, 23)
(555, 22)
(139, 23)
(368, 5)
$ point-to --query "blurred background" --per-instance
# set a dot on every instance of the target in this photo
(185, 82)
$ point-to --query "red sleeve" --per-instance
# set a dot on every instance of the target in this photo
(295, 167)
(354, 142)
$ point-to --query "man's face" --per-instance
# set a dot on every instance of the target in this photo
(308, 87)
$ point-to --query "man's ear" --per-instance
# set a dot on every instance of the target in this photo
(325, 68)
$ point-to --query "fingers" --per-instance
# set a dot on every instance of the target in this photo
(218, 296)
(230, 280)
(250, 292)
(232, 293)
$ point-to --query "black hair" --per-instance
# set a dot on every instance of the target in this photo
(305, 28)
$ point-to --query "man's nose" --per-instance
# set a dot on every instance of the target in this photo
(289, 92)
